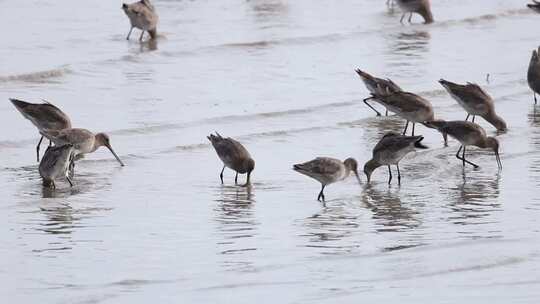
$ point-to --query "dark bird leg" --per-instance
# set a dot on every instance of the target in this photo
(37, 148)
(413, 129)
(365, 101)
(50, 143)
(462, 158)
(386, 114)
(69, 181)
(410, 17)
(467, 118)
(389, 175)
(534, 97)
(221, 174)
(398, 175)
(236, 179)
(321, 195)
(473, 117)
(129, 34)
(142, 34)
(402, 17)
(406, 126)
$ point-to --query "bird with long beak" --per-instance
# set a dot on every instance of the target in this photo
(468, 134)
(233, 155)
(390, 150)
(377, 86)
(83, 141)
(327, 171)
(533, 73)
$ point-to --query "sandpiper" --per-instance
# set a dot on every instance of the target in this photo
(143, 16)
(377, 86)
(390, 150)
(468, 134)
(475, 101)
(535, 6)
(234, 156)
(45, 116)
(83, 141)
(533, 74)
(409, 106)
(55, 164)
(328, 170)
(421, 7)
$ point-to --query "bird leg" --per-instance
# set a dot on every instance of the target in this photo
(236, 179)
(534, 97)
(402, 17)
(462, 158)
(69, 181)
(247, 180)
(37, 148)
(129, 34)
(389, 175)
(410, 17)
(321, 195)
(467, 118)
(398, 175)
(221, 174)
(406, 126)
(473, 117)
(142, 33)
(365, 101)
(413, 129)
(386, 113)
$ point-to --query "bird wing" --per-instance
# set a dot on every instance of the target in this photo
(320, 165)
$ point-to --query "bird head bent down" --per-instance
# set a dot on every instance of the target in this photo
(493, 143)
(102, 139)
(351, 164)
(369, 167)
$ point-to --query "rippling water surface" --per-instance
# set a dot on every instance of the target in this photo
(278, 76)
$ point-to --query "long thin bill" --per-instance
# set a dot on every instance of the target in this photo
(358, 178)
(116, 156)
(499, 163)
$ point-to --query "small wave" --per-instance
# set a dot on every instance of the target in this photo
(39, 77)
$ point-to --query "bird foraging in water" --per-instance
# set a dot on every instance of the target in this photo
(328, 170)
(83, 141)
(390, 150)
(468, 134)
(377, 86)
(533, 74)
(55, 164)
(143, 16)
(475, 101)
(535, 6)
(409, 106)
(45, 116)
(233, 155)
(421, 7)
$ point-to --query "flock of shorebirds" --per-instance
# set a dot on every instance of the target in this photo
(68, 144)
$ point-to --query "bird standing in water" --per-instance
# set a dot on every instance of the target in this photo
(390, 150)
(533, 74)
(327, 171)
(55, 164)
(143, 16)
(233, 155)
(421, 7)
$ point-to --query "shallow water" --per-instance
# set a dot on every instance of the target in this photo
(279, 76)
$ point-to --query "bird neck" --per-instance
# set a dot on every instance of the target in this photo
(495, 120)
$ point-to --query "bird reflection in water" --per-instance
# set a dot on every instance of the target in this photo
(534, 122)
(236, 226)
(474, 199)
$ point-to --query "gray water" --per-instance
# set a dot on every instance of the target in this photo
(278, 76)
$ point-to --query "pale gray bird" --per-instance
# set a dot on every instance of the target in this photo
(390, 150)
(327, 171)
(143, 16)
(475, 101)
(45, 116)
(55, 164)
(83, 141)
(421, 7)
(377, 86)
(468, 134)
(533, 74)
(233, 155)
